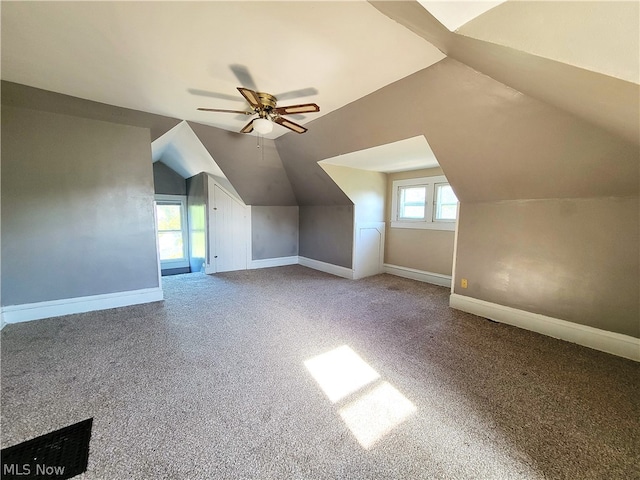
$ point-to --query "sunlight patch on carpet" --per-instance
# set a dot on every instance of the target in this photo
(371, 408)
(376, 413)
(340, 372)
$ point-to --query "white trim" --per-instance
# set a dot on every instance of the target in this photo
(273, 262)
(67, 306)
(343, 272)
(422, 225)
(455, 249)
(605, 341)
(249, 240)
(420, 275)
(165, 199)
(428, 221)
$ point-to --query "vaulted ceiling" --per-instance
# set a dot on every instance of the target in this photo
(170, 58)
(514, 93)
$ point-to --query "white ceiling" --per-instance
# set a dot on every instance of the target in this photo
(409, 154)
(454, 14)
(599, 36)
(170, 58)
(181, 150)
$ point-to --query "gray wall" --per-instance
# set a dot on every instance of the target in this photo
(257, 174)
(494, 144)
(326, 234)
(166, 181)
(77, 207)
(573, 259)
(274, 232)
(18, 95)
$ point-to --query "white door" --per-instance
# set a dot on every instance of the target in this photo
(228, 236)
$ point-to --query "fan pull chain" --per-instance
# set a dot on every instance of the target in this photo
(260, 144)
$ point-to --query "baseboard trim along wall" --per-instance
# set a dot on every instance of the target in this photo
(273, 262)
(420, 275)
(67, 306)
(609, 342)
(326, 267)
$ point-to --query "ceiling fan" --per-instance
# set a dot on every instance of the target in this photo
(265, 106)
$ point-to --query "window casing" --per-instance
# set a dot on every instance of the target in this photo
(171, 218)
(426, 202)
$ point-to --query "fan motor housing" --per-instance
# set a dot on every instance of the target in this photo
(267, 100)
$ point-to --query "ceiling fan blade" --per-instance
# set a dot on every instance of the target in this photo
(244, 77)
(251, 96)
(207, 93)
(248, 128)
(304, 92)
(303, 108)
(290, 125)
(225, 111)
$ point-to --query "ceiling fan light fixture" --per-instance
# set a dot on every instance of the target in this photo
(262, 126)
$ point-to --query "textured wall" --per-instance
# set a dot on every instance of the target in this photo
(573, 259)
(256, 174)
(492, 142)
(496, 144)
(274, 232)
(326, 234)
(166, 181)
(77, 207)
(18, 95)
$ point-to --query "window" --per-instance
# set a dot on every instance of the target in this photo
(412, 202)
(427, 202)
(172, 231)
(446, 203)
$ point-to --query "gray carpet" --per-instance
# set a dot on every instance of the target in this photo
(216, 382)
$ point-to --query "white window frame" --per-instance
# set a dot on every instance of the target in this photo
(428, 222)
(173, 200)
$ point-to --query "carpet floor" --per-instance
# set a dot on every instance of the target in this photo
(290, 373)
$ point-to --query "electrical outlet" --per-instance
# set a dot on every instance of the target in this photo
(463, 283)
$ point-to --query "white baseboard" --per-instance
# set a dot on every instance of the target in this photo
(420, 275)
(67, 306)
(326, 267)
(609, 342)
(273, 262)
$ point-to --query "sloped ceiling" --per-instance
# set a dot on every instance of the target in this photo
(597, 36)
(493, 143)
(257, 174)
(19, 95)
(609, 102)
(535, 99)
(170, 58)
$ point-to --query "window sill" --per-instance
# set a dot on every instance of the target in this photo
(179, 263)
(447, 226)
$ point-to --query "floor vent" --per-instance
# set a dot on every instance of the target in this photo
(60, 454)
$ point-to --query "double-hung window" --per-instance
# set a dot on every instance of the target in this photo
(427, 202)
(171, 215)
